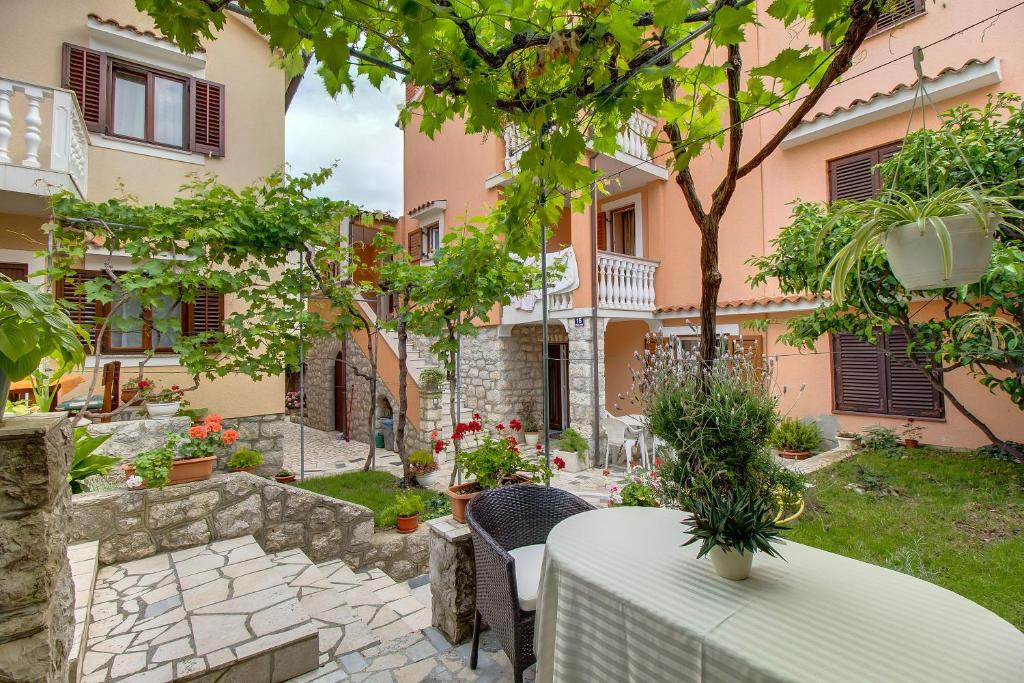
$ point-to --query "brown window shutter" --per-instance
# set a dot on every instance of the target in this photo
(15, 271)
(415, 240)
(602, 237)
(910, 392)
(852, 177)
(80, 308)
(858, 375)
(205, 314)
(206, 117)
(900, 10)
(84, 71)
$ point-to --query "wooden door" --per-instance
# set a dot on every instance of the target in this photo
(558, 385)
(340, 394)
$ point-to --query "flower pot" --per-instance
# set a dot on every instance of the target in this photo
(287, 479)
(163, 411)
(183, 471)
(730, 564)
(911, 443)
(407, 525)
(846, 443)
(916, 259)
(428, 480)
(250, 470)
(128, 394)
(460, 495)
(573, 462)
(532, 438)
(794, 455)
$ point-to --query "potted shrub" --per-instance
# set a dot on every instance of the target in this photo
(431, 381)
(129, 390)
(944, 240)
(292, 403)
(423, 467)
(795, 439)
(161, 403)
(531, 425)
(284, 476)
(191, 459)
(573, 448)
(731, 526)
(847, 440)
(911, 434)
(245, 460)
(408, 507)
(496, 461)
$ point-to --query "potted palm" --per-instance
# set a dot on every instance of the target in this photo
(408, 507)
(245, 460)
(943, 240)
(731, 526)
(795, 439)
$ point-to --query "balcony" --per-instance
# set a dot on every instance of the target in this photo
(625, 288)
(630, 167)
(44, 146)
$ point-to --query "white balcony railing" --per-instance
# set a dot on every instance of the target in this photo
(22, 136)
(632, 140)
(625, 282)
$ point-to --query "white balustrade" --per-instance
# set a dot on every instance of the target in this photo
(560, 302)
(625, 282)
(515, 145)
(69, 139)
(632, 140)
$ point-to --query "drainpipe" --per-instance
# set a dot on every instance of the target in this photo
(594, 361)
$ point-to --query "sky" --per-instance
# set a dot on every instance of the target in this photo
(355, 130)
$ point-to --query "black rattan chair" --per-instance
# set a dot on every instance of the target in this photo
(502, 520)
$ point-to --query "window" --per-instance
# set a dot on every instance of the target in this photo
(856, 176)
(15, 271)
(136, 329)
(900, 12)
(623, 231)
(880, 379)
(424, 242)
(136, 102)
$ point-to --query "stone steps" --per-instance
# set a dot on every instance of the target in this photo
(84, 561)
(213, 612)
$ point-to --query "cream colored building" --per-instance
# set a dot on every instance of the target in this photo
(95, 101)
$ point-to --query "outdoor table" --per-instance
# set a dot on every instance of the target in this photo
(23, 388)
(621, 600)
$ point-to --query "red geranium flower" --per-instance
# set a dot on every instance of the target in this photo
(605, 473)
(500, 427)
(199, 432)
(229, 437)
(476, 416)
(144, 384)
(438, 446)
(558, 462)
(515, 425)
(539, 447)
(175, 387)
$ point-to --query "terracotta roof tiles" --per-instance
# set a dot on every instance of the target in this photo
(743, 303)
(134, 29)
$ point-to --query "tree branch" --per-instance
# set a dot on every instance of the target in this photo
(723, 193)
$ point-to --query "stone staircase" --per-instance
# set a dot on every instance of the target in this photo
(228, 611)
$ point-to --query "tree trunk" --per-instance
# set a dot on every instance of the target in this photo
(371, 456)
(710, 283)
(403, 387)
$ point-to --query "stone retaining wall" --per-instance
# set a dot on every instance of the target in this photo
(36, 592)
(400, 556)
(452, 578)
(263, 433)
(130, 525)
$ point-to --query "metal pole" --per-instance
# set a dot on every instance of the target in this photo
(302, 376)
(594, 365)
(458, 396)
(545, 419)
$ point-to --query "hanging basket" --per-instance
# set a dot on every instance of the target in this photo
(916, 256)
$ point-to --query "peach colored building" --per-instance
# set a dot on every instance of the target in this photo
(94, 101)
(646, 261)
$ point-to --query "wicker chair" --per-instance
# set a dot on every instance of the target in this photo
(503, 520)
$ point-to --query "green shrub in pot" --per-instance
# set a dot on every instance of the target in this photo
(244, 458)
(796, 436)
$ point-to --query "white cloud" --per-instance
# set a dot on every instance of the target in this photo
(355, 130)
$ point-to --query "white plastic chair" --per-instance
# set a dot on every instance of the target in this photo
(622, 436)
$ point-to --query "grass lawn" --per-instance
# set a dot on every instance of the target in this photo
(954, 519)
(375, 490)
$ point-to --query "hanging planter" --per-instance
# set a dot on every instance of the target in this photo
(916, 256)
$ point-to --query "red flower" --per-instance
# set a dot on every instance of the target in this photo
(511, 440)
(175, 387)
(476, 416)
(199, 432)
(605, 473)
(500, 427)
(214, 427)
(144, 384)
(558, 462)
(229, 436)
(539, 447)
(515, 425)
(212, 417)
(657, 462)
(475, 426)
(438, 446)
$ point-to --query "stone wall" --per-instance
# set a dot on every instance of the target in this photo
(452, 578)
(36, 592)
(262, 433)
(400, 556)
(130, 525)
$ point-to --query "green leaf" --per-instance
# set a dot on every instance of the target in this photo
(729, 23)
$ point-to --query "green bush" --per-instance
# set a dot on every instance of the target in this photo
(882, 439)
(796, 435)
(154, 466)
(244, 458)
(408, 504)
(571, 440)
(638, 494)
(85, 464)
(994, 451)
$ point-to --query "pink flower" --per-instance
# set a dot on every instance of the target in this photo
(558, 462)
(229, 437)
(214, 427)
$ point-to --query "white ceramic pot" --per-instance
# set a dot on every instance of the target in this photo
(427, 480)
(846, 443)
(573, 462)
(916, 259)
(163, 411)
(730, 564)
(532, 438)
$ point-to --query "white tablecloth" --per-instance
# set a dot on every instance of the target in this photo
(621, 600)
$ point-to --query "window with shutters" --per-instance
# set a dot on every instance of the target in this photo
(879, 379)
(856, 176)
(900, 11)
(133, 328)
(15, 271)
(431, 240)
(133, 101)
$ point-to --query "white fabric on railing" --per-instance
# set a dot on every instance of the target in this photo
(565, 281)
(622, 601)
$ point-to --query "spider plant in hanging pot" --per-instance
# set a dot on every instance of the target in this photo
(944, 240)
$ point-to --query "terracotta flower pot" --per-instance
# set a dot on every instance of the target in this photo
(128, 394)
(250, 470)
(287, 479)
(460, 495)
(183, 471)
(794, 455)
(407, 525)
(911, 443)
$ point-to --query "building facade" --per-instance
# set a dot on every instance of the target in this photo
(95, 101)
(647, 252)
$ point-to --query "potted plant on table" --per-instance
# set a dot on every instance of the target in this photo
(911, 434)
(284, 476)
(180, 461)
(531, 425)
(161, 403)
(408, 507)
(423, 467)
(496, 461)
(245, 460)
(795, 439)
(731, 526)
